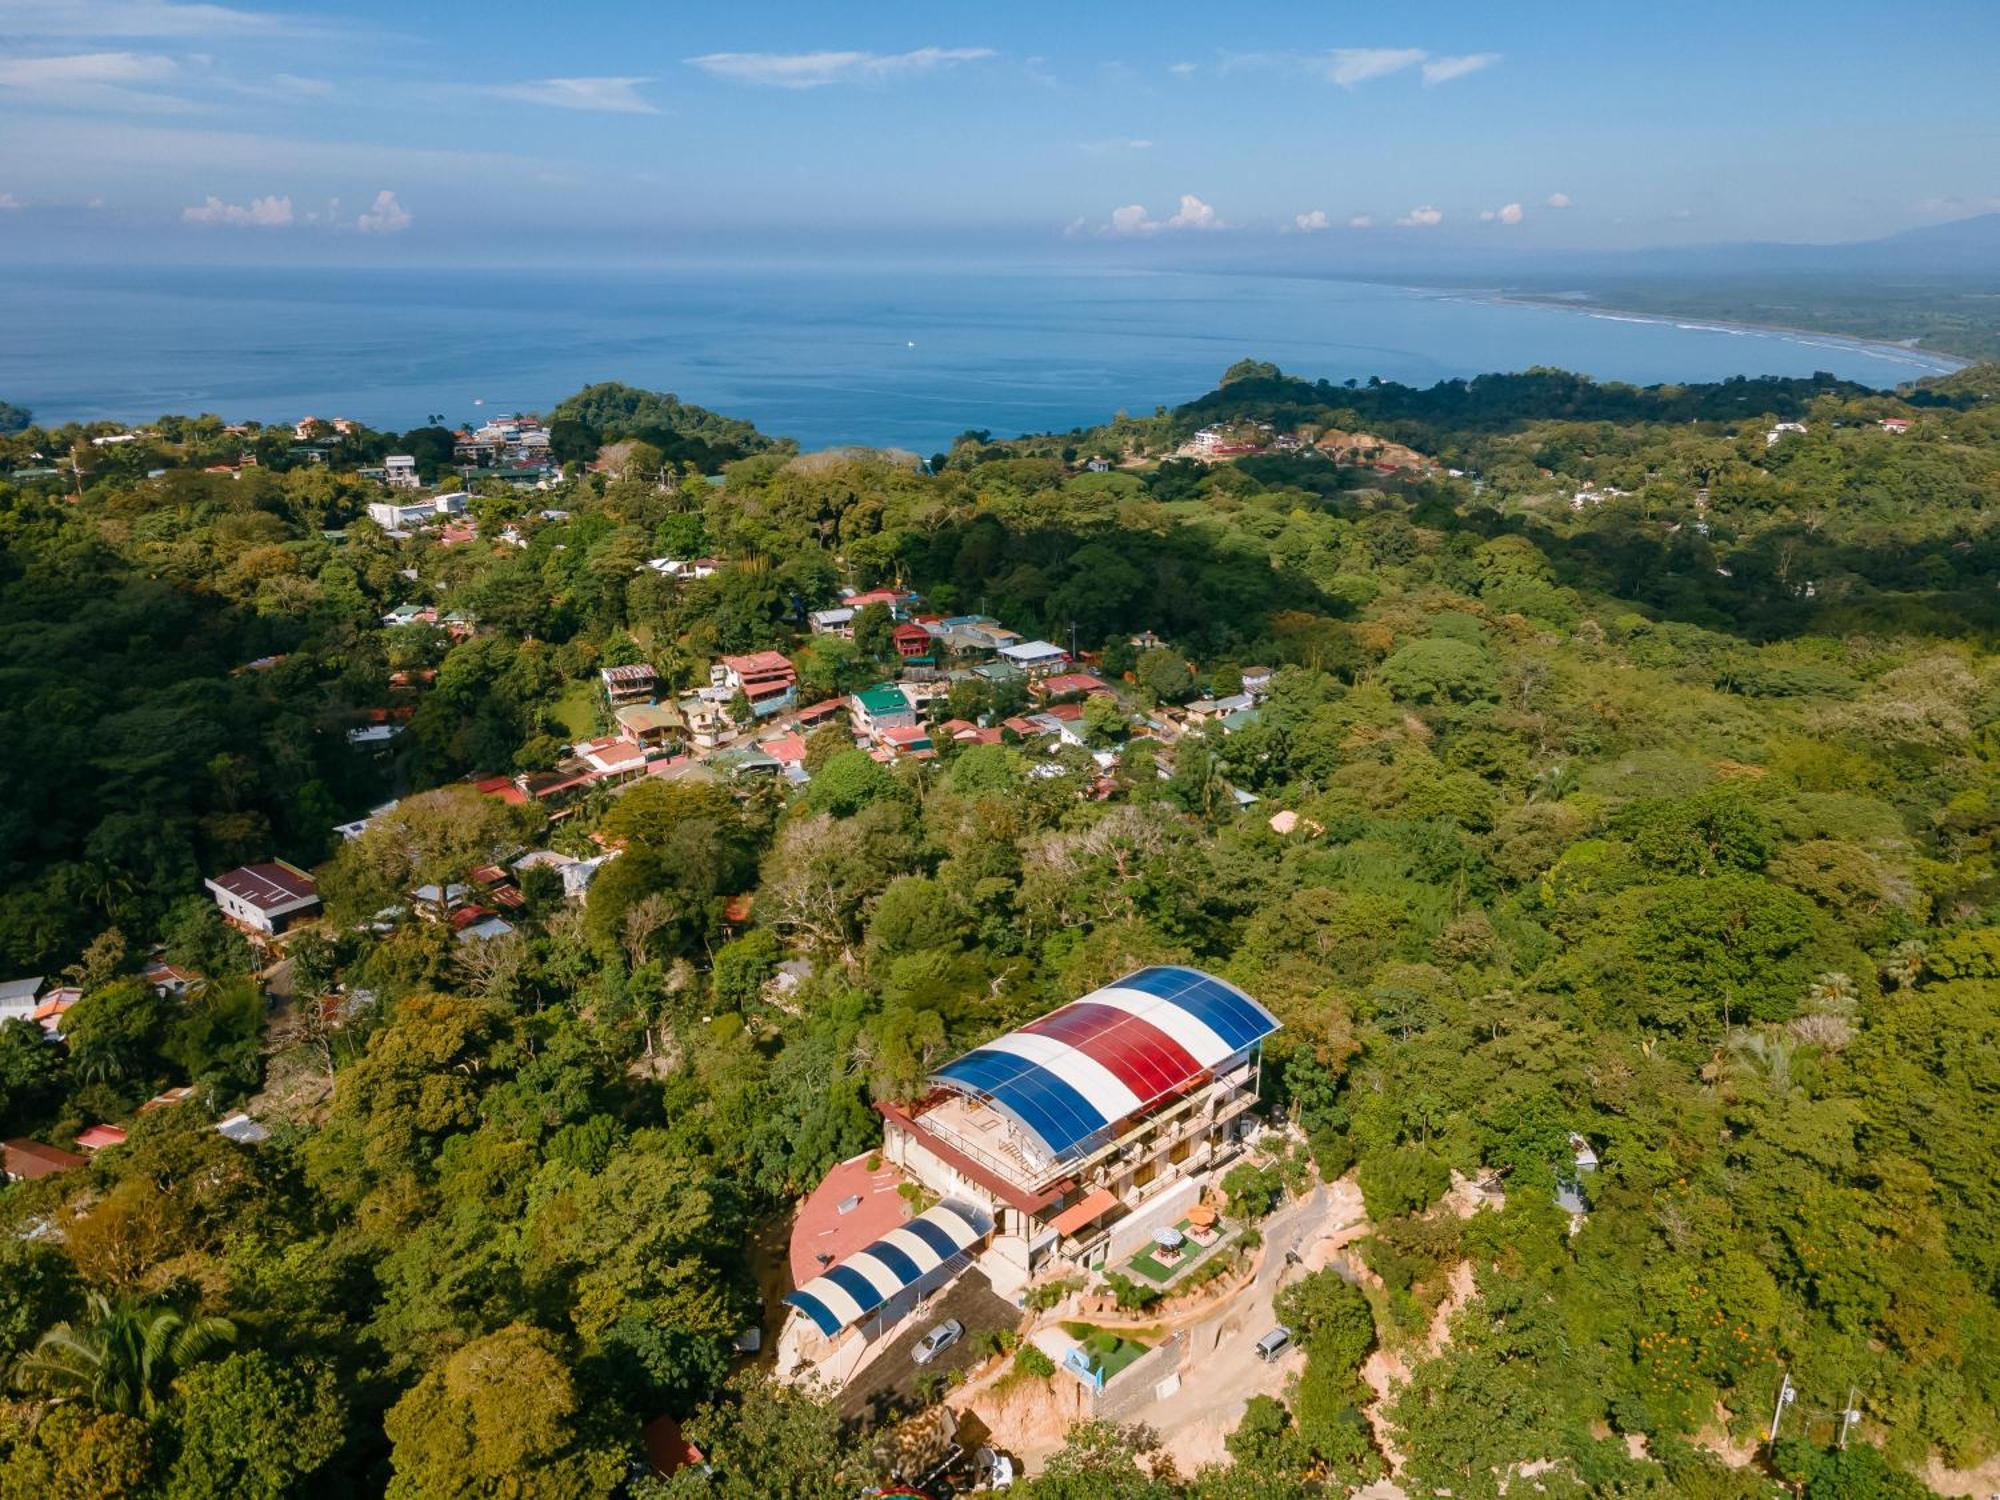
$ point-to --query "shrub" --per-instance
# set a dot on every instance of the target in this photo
(1032, 1364)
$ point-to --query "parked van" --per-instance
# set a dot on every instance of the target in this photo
(1274, 1344)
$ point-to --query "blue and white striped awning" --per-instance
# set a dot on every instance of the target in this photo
(867, 1279)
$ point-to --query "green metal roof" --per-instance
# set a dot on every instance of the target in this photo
(883, 698)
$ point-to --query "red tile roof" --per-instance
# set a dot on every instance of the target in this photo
(27, 1160)
(787, 748)
(667, 1448)
(758, 664)
(821, 1229)
(99, 1136)
(502, 787)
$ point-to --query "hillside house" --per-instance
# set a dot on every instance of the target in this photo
(264, 900)
(883, 706)
(633, 683)
(24, 1160)
(650, 725)
(766, 678)
(1036, 658)
(18, 998)
(1066, 1142)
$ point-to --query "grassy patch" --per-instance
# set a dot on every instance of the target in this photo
(576, 710)
(1147, 1264)
(1107, 1352)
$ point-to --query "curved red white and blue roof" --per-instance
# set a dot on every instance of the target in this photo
(1069, 1077)
(869, 1277)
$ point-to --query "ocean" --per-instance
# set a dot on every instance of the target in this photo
(890, 356)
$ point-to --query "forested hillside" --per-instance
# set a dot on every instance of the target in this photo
(1645, 763)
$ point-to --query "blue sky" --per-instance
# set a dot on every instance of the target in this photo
(633, 129)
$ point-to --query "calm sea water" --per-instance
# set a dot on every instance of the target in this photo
(903, 357)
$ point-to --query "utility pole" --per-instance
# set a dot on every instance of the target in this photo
(1786, 1396)
(1850, 1415)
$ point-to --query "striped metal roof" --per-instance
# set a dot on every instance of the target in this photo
(1069, 1077)
(850, 1291)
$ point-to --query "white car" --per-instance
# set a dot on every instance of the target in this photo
(939, 1339)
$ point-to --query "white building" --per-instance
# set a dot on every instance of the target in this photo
(391, 515)
(264, 899)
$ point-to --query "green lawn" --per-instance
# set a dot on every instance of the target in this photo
(576, 710)
(1108, 1352)
(1160, 1273)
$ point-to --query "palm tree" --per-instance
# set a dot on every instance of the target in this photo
(123, 1358)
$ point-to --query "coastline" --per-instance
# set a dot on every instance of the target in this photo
(1928, 361)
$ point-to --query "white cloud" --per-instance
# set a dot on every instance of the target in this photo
(1421, 218)
(93, 79)
(811, 70)
(123, 18)
(259, 213)
(9, 203)
(1361, 221)
(1348, 66)
(1558, 200)
(614, 96)
(1118, 143)
(1133, 219)
(1181, 70)
(1511, 214)
(1311, 222)
(385, 216)
(1194, 214)
(1444, 69)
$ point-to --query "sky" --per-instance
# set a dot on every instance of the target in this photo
(626, 131)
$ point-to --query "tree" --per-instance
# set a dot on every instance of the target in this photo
(37, 1282)
(849, 782)
(31, 1073)
(1103, 720)
(115, 1034)
(767, 1441)
(1331, 1318)
(1440, 670)
(873, 628)
(76, 1452)
(253, 1427)
(124, 1358)
(500, 1416)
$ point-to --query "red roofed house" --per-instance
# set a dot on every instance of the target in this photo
(1066, 685)
(764, 677)
(785, 749)
(27, 1160)
(612, 758)
(667, 1449)
(1895, 424)
(911, 641)
(911, 740)
(265, 899)
(53, 1007)
(859, 602)
(99, 1136)
(503, 787)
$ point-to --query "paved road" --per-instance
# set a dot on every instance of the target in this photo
(888, 1385)
(1222, 1371)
